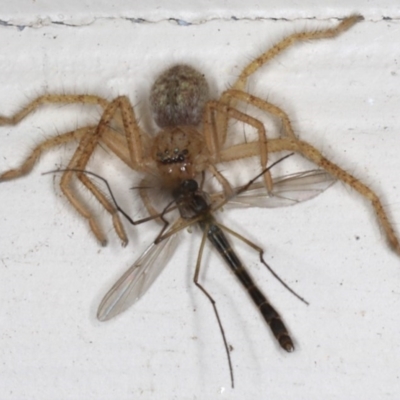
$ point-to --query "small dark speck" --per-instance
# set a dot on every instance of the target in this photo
(387, 18)
(235, 18)
(357, 237)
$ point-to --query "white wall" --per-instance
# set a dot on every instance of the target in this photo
(343, 96)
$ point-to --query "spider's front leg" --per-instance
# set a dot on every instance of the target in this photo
(77, 203)
(133, 134)
(215, 138)
(85, 135)
(128, 147)
(263, 105)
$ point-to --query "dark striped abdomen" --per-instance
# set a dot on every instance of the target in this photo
(217, 237)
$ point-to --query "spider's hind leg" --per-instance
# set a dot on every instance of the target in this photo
(216, 112)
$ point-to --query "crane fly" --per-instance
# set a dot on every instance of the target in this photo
(197, 207)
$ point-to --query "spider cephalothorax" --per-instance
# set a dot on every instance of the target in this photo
(180, 154)
(177, 100)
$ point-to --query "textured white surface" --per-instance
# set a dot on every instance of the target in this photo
(343, 96)
(79, 12)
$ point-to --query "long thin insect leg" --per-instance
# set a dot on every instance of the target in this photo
(245, 187)
(261, 253)
(213, 303)
(248, 184)
(270, 315)
(168, 208)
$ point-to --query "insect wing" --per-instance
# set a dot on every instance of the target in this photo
(137, 279)
(287, 190)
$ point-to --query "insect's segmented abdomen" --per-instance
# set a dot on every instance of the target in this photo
(271, 316)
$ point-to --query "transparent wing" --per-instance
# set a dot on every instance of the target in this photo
(287, 190)
(137, 279)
